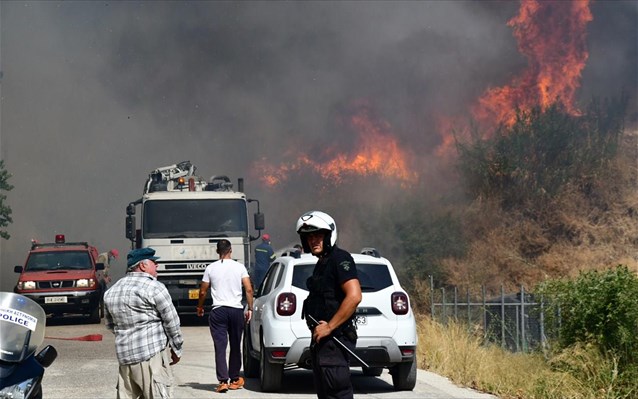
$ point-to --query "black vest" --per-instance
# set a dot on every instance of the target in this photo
(326, 294)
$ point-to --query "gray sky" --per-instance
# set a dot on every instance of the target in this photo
(96, 94)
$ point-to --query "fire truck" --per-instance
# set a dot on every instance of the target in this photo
(183, 216)
(62, 277)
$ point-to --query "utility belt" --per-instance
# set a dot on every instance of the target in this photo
(347, 329)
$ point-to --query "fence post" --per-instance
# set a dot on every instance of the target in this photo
(542, 324)
(485, 335)
(444, 306)
(456, 304)
(432, 297)
(469, 315)
(518, 327)
(502, 316)
(523, 328)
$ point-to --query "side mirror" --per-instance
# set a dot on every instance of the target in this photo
(130, 227)
(260, 221)
(17, 269)
(99, 266)
(130, 209)
(46, 356)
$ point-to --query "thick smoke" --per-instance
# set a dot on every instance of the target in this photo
(95, 95)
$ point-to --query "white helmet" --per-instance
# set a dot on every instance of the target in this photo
(314, 221)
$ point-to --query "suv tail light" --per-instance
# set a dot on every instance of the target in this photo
(286, 304)
(400, 303)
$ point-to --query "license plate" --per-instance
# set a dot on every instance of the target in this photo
(54, 299)
(193, 294)
(361, 320)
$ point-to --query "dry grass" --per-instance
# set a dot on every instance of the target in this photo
(459, 354)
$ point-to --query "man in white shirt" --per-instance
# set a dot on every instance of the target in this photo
(225, 278)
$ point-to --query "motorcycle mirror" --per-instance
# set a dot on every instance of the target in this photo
(46, 356)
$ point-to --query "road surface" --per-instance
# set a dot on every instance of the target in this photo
(88, 369)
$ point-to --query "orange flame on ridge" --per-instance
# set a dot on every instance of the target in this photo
(551, 35)
(377, 153)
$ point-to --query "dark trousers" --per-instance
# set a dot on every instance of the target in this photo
(331, 369)
(227, 324)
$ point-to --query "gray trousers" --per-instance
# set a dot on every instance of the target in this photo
(150, 379)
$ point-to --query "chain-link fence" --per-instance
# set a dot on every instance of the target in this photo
(513, 320)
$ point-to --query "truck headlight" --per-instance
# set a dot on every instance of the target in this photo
(26, 285)
(20, 390)
(82, 283)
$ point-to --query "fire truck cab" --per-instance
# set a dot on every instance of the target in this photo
(183, 216)
(62, 278)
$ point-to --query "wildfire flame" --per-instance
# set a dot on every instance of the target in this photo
(551, 35)
(377, 153)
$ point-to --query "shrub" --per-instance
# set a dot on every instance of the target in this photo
(599, 308)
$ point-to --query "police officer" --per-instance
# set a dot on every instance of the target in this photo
(334, 295)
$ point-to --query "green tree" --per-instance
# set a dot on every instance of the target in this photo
(5, 210)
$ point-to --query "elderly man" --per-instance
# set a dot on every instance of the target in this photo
(148, 338)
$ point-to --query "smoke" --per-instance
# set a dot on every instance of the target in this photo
(95, 95)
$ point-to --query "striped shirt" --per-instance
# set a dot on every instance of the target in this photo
(140, 312)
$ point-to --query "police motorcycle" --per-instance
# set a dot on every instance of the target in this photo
(22, 324)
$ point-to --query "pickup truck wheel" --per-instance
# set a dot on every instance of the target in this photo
(94, 318)
(270, 374)
(101, 309)
(404, 376)
(372, 371)
(251, 365)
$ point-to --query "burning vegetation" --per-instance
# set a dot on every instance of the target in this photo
(542, 187)
(376, 152)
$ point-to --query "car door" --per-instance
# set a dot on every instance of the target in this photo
(262, 299)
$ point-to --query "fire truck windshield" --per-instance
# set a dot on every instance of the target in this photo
(194, 218)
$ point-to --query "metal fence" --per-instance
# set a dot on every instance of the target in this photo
(516, 321)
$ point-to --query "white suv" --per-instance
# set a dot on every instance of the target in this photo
(277, 339)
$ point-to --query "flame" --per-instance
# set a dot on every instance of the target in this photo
(377, 153)
(551, 35)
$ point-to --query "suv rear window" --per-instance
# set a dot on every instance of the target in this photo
(372, 277)
(300, 274)
(74, 260)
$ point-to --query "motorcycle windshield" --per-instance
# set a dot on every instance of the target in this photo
(22, 324)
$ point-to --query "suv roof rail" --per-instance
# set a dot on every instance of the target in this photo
(291, 252)
(370, 251)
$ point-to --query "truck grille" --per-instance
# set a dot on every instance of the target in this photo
(56, 284)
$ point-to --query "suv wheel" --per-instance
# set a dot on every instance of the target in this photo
(270, 374)
(404, 376)
(251, 365)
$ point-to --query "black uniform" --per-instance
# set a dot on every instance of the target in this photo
(330, 362)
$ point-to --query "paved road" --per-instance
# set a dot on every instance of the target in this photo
(88, 369)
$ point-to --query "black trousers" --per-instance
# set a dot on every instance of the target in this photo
(331, 368)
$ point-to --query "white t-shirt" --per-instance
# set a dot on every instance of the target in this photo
(225, 278)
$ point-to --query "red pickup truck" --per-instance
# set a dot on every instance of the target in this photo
(62, 278)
